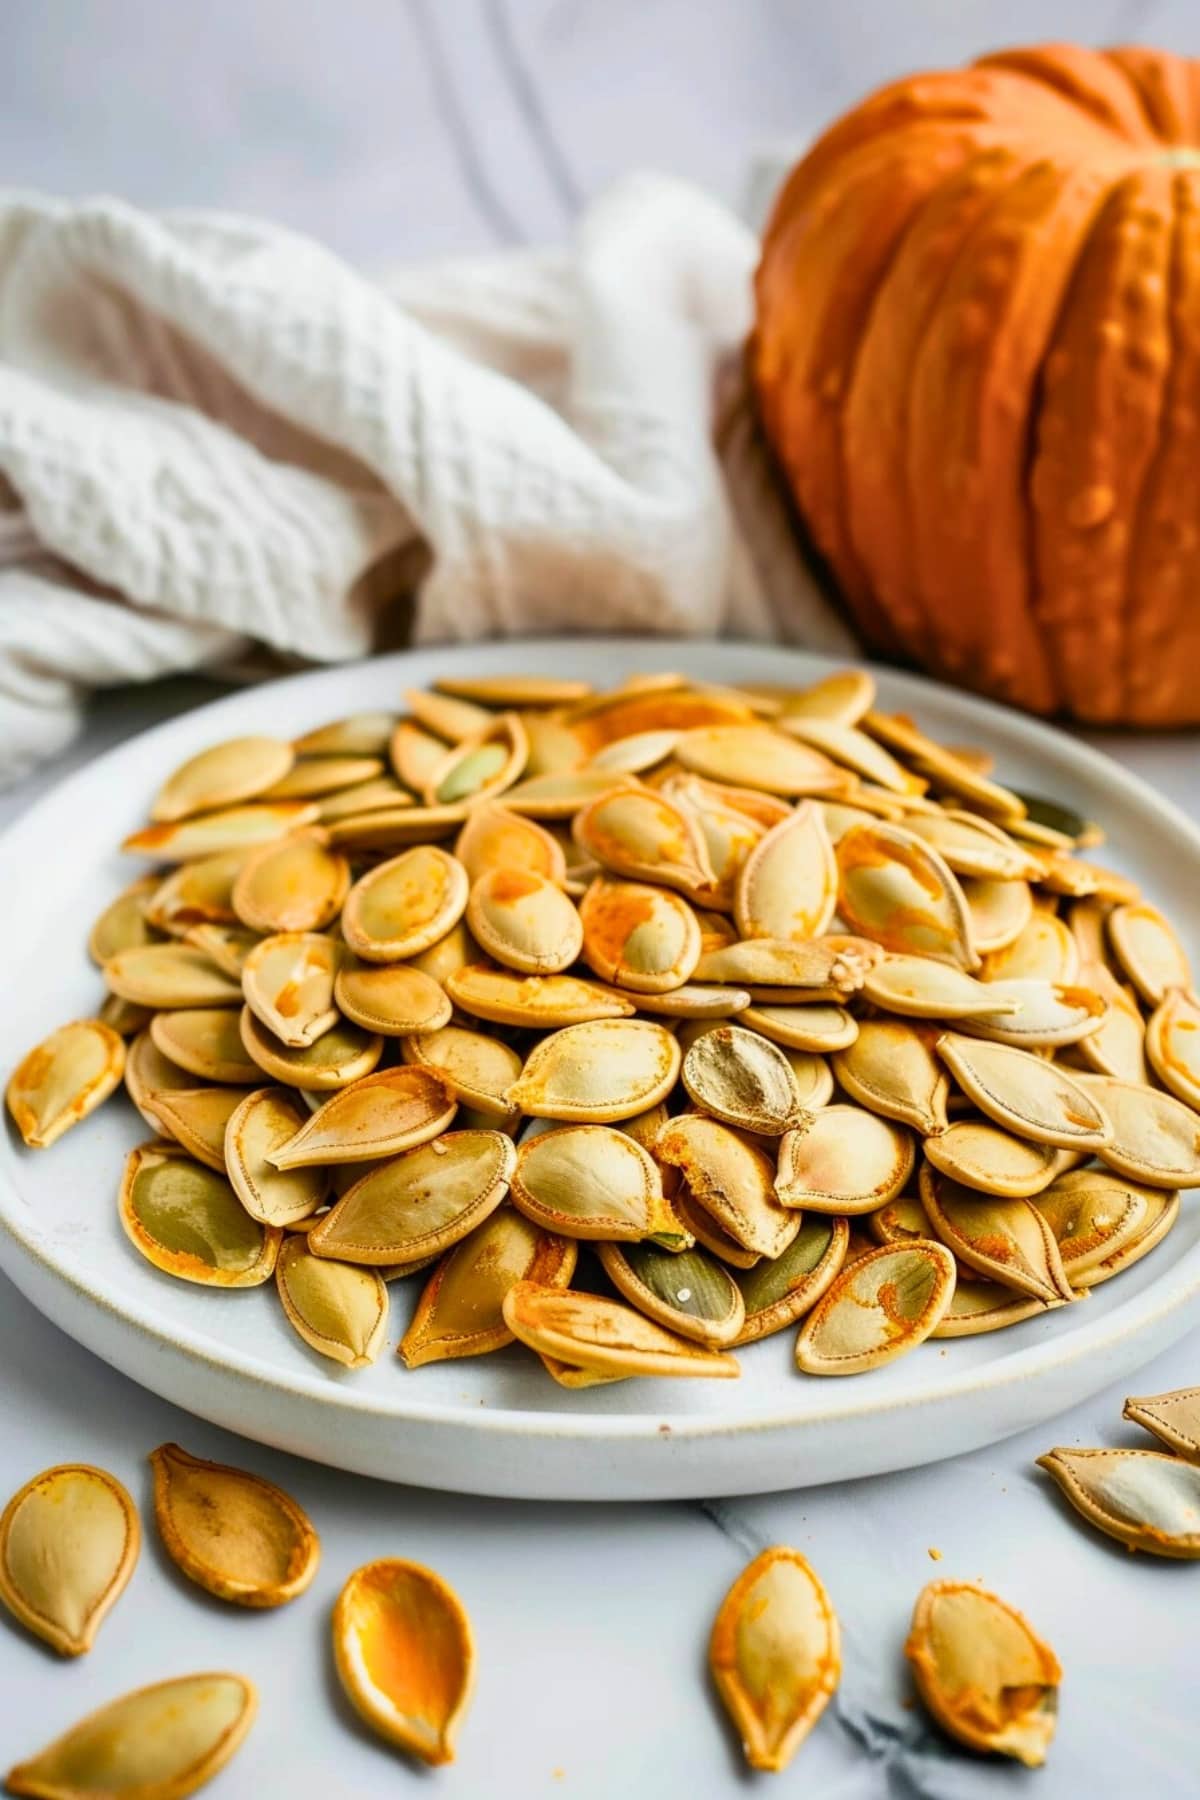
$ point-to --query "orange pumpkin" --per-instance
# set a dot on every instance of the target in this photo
(977, 358)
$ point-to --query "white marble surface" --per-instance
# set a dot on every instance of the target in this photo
(413, 129)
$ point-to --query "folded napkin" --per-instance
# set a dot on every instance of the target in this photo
(215, 435)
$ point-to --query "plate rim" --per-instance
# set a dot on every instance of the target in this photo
(1167, 1295)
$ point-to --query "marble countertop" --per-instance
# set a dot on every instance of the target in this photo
(592, 1622)
(401, 129)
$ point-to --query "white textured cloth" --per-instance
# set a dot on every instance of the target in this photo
(214, 434)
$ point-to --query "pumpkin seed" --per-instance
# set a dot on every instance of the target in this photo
(495, 838)
(947, 772)
(211, 833)
(652, 702)
(196, 893)
(744, 1080)
(339, 1056)
(775, 1655)
(226, 946)
(395, 1001)
(262, 1124)
(382, 794)
(405, 905)
(188, 1221)
(634, 754)
(480, 767)
(780, 972)
(1118, 1045)
(591, 1181)
(787, 886)
(515, 690)
(756, 756)
(602, 1336)
(688, 1292)
(1143, 1498)
(695, 1000)
(168, 975)
(236, 770)
(810, 1029)
(977, 1154)
(206, 1042)
(288, 982)
(64, 1079)
(1008, 1241)
(238, 1536)
(460, 1312)
(562, 793)
(854, 750)
(900, 1221)
(844, 698)
(298, 884)
(883, 1303)
(916, 987)
(844, 1160)
(312, 777)
(1078, 879)
(639, 937)
(362, 734)
(1148, 951)
(68, 1542)
(645, 836)
(900, 893)
(419, 1202)
(539, 1002)
(123, 1017)
(379, 1116)
(479, 1071)
(1043, 950)
(1162, 1213)
(1155, 1138)
(415, 753)
(775, 1294)
(123, 924)
(163, 1741)
(729, 831)
(1093, 1216)
(148, 1071)
(196, 1118)
(606, 1070)
(525, 921)
(1173, 1418)
(1173, 1046)
(453, 719)
(1025, 1094)
(890, 1069)
(732, 1179)
(338, 1309)
(971, 845)
(983, 1673)
(1045, 1015)
(391, 828)
(999, 911)
(980, 1306)
(405, 1656)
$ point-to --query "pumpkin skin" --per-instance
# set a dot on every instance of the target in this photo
(977, 360)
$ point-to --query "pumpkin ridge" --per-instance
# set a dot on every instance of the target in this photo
(1158, 654)
(1087, 79)
(1160, 84)
(1095, 431)
(880, 521)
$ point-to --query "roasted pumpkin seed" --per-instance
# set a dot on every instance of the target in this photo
(1118, 1044)
(64, 1079)
(68, 1542)
(743, 1079)
(890, 1069)
(1045, 1015)
(981, 1306)
(639, 937)
(844, 698)
(1148, 951)
(479, 767)
(1173, 1418)
(645, 837)
(775, 1294)
(231, 1532)
(899, 1221)
(980, 1155)
(1026, 1095)
(589, 1332)
(338, 1309)
(312, 777)
(689, 1292)
(844, 1160)
(592, 1181)
(606, 1070)
(196, 893)
(461, 1311)
(1161, 1215)
(211, 833)
(238, 769)
(524, 921)
(298, 884)
(900, 893)
(197, 1119)
(381, 1115)
(265, 1121)
(1008, 1241)
(881, 1304)
(393, 1000)
(495, 838)
(362, 734)
(999, 912)
(787, 886)
(288, 983)
(756, 756)
(515, 690)
(810, 1029)
(123, 924)
(1144, 1499)
(1154, 1137)
(478, 1070)
(419, 1202)
(405, 905)
(982, 1672)
(169, 975)
(1173, 1046)
(188, 1221)
(158, 1743)
(775, 1655)
(916, 987)
(731, 1178)
(341, 1055)
(405, 1656)
(1093, 1216)
(1043, 950)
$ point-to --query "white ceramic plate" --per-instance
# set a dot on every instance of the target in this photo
(496, 1425)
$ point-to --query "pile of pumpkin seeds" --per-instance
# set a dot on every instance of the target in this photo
(641, 1024)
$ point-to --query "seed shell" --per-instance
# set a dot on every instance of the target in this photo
(342, 1055)
(288, 983)
(461, 1311)
(639, 937)
(405, 1656)
(339, 1310)
(222, 775)
(1155, 1138)
(732, 1179)
(1118, 1044)
(169, 975)
(525, 921)
(777, 1293)
(157, 1743)
(775, 1655)
(188, 1221)
(68, 1542)
(1173, 1418)
(1093, 1216)
(882, 1304)
(983, 1673)
(1025, 1094)
(362, 734)
(1173, 1046)
(811, 1029)
(981, 1306)
(899, 892)
(1042, 1014)
(757, 757)
(592, 1181)
(980, 1155)
(1143, 1498)
(919, 988)
(844, 1160)
(64, 1079)
(148, 1071)
(689, 1292)
(743, 1079)
(265, 1121)
(379, 1116)
(405, 905)
(419, 1202)
(1044, 950)
(123, 924)
(604, 1337)
(196, 1118)
(890, 1069)
(478, 1070)
(645, 837)
(538, 1002)
(600, 1072)
(296, 884)
(1008, 1241)
(231, 1532)
(479, 767)
(1148, 951)
(1162, 1214)
(395, 1000)
(312, 777)
(212, 833)
(787, 885)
